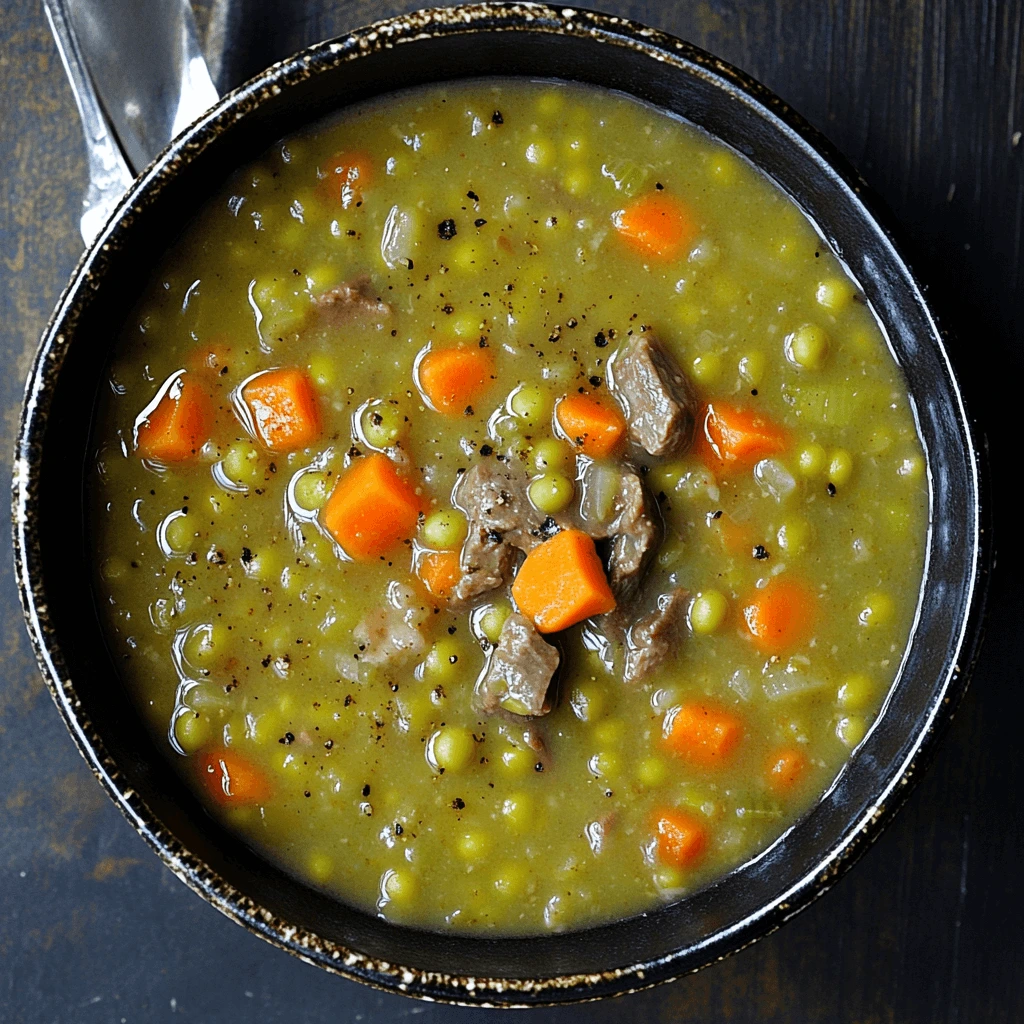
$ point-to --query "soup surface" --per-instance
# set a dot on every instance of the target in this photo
(507, 510)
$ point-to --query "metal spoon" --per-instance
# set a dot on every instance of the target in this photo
(138, 77)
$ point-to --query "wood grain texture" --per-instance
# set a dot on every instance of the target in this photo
(926, 98)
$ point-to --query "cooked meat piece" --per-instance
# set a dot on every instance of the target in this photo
(636, 534)
(660, 400)
(352, 300)
(389, 634)
(493, 495)
(632, 521)
(486, 564)
(518, 673)
(651, 640)
(501, 519)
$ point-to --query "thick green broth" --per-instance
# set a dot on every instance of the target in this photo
(232, 613)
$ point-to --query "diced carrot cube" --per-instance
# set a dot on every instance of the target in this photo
(657, 225)
(177, 427)
(781, 616)
(786, 767)
(371, 508)
(347, 177)
(284, 408)
(682, 838)
(562, 582)
(591, 425)
(703, 734)
(232, 779)
(729, 438)
(451, 379)
(440, 572)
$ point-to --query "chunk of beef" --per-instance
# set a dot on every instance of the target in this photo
(501, 520)
(353, 300)
(486, 564)
(632, 520)
(660, 400)
(518, 673)
(651, 640)
(493, 498)
(636, 534)
(388, 635)
(493, 495)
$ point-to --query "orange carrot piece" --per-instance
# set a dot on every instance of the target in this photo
(371, 508)
(735, 438)
(178, 426)
(682, 838)
(452, 378)
(562, 582)
(781, 616)
(785, 768)
(657, 225)
(440, 571)
(348, 176)
(284, 408)
(592, 426)
(232, 779)
(703, 734)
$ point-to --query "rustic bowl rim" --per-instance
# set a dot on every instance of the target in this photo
(320, 58)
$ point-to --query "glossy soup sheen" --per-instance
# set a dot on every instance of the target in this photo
(489, 218)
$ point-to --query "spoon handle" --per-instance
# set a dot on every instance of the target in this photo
(138, 77)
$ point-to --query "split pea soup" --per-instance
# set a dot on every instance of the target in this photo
(508, 514)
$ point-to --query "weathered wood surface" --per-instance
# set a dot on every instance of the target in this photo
(925, 97)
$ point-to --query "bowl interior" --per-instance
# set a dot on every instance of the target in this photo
(57, 552)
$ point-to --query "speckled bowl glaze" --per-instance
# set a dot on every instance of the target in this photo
(53, 554)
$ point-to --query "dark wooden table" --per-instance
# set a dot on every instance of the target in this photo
(926, 98)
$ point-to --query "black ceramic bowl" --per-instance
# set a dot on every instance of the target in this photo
(53, 553)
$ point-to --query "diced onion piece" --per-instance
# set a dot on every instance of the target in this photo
(774, 479)
(601, 485)
(741, 684)
(795, 680)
